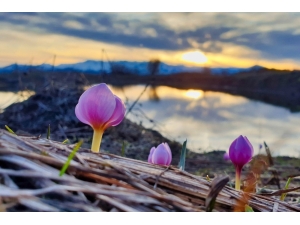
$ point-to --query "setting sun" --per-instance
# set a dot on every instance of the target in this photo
(195, 57)
(193, 94)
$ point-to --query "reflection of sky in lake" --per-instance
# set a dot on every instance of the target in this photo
(212, 120)
(8, 98)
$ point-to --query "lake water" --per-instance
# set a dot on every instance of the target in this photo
(208, 120)
(212, 120)
(8, 98)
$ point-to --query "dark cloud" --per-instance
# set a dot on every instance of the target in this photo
(272, 44)
(113, 37)
(205, 33)
(105, 20)
(211, 47)
(9, 18)
(165, 40)
(24, 13)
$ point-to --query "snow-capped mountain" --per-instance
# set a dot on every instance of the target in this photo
(141, 68)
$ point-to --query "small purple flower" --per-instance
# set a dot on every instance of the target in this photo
(161, 155)
(240, 153)
(99, 108)
(226, 156)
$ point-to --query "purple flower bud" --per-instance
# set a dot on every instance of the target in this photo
(226, 156)
(161, 155)
(240, 151)
(99, 108)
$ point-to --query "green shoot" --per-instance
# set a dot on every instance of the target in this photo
(124, 145)
(9, 130)
(282, 197)
(181, 164)
(207, 178)
(65, 141)
(71, 156)
(216, 186)
(44, 153)
(248, 208)
(48, 132)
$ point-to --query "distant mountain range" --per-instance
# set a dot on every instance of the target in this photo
(141, 68)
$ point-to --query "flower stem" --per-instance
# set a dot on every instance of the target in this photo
(97, 137)
(238, 178)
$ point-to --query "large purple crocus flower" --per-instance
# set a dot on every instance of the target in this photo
(240, 153)
(161, 155)
(99, 108)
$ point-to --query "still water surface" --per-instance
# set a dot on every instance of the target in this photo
(8, 98)
(212, 120)
(208, 120)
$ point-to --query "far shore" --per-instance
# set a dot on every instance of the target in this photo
(280, 88)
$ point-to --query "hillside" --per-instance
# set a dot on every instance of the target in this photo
(125, 67)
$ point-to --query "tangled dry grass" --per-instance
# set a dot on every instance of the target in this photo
(30, 181)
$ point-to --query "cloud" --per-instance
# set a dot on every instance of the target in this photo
(273, 44)
(130, 33)
(73, 25)
(105, 27)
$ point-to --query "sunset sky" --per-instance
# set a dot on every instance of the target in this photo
(205, 39)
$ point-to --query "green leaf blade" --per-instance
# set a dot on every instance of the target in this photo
(71, 156)
(124, 145)
(9, 130)
(65, 141)
(248, 208)
(181, 164)
(282, 197)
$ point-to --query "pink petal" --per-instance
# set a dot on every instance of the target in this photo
(160, 156)
(96, 105)
(150, 155)
(118, 114)
(79, 114)
(169, 151)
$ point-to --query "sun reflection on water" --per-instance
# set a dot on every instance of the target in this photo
(194, 94)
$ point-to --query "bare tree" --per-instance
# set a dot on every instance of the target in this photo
(206, 71)
(153, 66)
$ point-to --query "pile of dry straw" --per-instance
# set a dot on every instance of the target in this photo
(30, 181)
